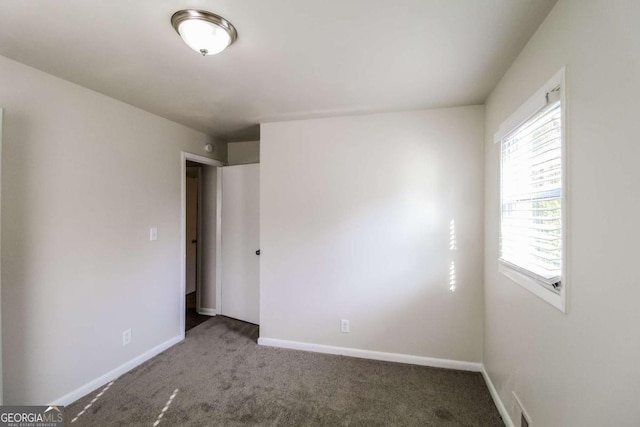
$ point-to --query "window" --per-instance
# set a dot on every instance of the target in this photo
(532, 190)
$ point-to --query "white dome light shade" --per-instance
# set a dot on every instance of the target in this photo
(204, 32)
(204, 37)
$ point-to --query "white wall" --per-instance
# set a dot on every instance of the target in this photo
(355, 224)
(579, 369)
(242, 153)
(77, 264)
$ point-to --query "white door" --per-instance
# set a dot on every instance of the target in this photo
(240, 241)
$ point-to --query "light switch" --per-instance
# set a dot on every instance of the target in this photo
(153, 234)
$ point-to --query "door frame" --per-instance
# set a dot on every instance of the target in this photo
(206, 161)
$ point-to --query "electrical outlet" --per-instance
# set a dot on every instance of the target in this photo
(153, 234)
(126, 337)
(344, 325)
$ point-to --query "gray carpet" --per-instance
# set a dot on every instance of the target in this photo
(224, 378)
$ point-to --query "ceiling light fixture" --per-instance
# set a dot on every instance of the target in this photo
(204, 32)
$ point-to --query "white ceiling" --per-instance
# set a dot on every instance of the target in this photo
(293, 58)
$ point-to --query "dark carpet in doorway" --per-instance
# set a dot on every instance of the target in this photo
(223, 378)
(192, 317)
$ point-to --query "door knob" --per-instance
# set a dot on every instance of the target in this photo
(194, 241)
(258, 252)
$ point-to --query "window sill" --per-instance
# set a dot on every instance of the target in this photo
(556, 300)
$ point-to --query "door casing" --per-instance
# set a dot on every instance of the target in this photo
(184, 157)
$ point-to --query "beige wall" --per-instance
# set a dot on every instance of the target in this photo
(77, 264)
(355, 224)
(579, 369)
(242, 153)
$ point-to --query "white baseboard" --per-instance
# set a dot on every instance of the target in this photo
(115, 373)
(506, 418)
(208, 312)
(375, 355)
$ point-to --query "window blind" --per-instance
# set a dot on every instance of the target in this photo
(531, 193)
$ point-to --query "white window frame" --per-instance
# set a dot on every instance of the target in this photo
(520, 116)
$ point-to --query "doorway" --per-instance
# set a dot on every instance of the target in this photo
(193, 225)
(226, 276)
(199, 286)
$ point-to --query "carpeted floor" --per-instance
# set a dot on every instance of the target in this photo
(219, 376)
